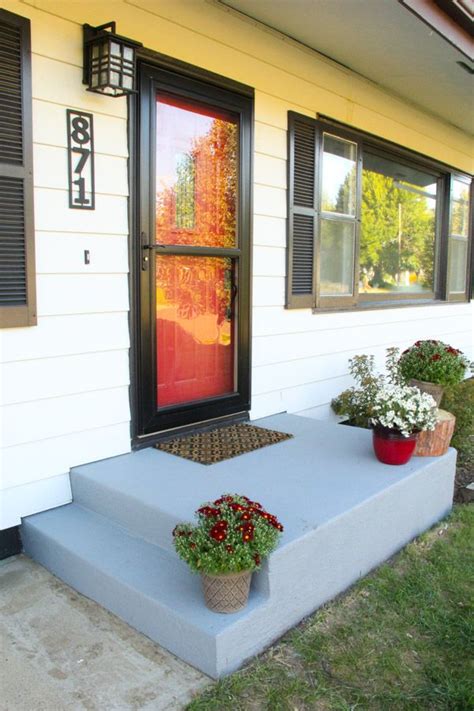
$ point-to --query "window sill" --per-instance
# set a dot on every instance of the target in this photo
(386, 304)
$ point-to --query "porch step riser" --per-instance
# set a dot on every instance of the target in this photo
(149, 522)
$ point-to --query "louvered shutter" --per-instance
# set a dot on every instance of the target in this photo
(302, 217)
(17, 278)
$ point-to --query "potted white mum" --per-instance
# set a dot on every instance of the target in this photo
(398, 414)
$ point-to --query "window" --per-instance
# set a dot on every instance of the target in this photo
(458, 237)
(370, 223)
(17, 278)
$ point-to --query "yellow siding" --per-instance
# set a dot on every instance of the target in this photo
(284, 74)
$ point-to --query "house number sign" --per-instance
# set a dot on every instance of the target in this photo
(80, 144)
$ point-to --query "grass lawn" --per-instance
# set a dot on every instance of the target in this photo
(402, 638)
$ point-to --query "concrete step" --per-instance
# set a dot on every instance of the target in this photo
(146, 586)
(343, 511)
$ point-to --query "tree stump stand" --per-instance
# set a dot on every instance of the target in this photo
(436, 442)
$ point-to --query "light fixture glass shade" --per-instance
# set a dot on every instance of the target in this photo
(109, 61)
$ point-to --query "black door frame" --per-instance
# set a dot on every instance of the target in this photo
(190, 82)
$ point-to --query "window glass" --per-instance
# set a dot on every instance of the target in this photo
(457, 265)
(338, 175)
(196, 174)
(398, 229)
(337, 257)
(459, 208)
(459, 227)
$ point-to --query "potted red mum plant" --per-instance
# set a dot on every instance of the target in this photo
(232, 537)
(431, 366)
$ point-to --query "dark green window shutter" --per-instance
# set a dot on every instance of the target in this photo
(302, 217)
(17, 276)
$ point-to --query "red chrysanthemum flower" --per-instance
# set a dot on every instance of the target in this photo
(209, 511)
(256, 559)
(229, 549)
(436, 356)
(236, 507)
(247, 530)
(218, 533)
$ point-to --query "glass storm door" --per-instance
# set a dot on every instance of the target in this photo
(195, 182)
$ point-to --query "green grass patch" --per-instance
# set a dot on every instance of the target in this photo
(459, 400)
(402, 638)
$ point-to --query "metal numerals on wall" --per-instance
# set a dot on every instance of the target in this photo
(80, 144)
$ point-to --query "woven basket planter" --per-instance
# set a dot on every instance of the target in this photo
(228, 592)
(436, 391)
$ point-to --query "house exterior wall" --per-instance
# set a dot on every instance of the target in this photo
(65, 382)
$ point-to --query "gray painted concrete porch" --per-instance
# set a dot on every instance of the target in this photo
(343, 511)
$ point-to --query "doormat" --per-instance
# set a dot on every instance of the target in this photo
(222, 443)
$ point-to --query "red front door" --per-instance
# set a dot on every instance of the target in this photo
(195, 262)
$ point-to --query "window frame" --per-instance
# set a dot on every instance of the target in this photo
(23, 314)
(454, 296)
(444, 175)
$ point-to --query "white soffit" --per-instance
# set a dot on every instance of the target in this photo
(382, 41)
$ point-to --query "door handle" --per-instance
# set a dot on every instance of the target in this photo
(145, 245)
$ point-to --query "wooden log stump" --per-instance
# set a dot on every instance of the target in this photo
(436, 442)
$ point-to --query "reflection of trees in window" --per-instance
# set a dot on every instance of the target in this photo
(195, 286)
(205, 192)
(200, 208)
(184, 191)
(460, 212)
(397, 235)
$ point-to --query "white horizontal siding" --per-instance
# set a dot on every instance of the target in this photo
(59, 294)
(52, 456)
(66, 335)
(269, 261)
(63, 253)
(35, 496)
(274, 320)
(28, 380)
(270, 141)
(40, 419)
(49, 128)
(52, 214)
(268, 291)
(305, 396)
(270, 171)
(276, 349)
(65, 381)
(61, 83)
(273, 111)
(269, 201)
(51, 170)
(269, 231)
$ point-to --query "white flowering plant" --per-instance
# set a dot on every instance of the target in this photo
(403, 408)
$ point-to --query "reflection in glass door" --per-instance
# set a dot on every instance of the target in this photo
(196, 206)
(194, 222)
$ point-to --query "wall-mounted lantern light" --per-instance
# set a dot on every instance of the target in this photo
(109, 61)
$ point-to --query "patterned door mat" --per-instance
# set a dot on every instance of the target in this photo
(222, 443)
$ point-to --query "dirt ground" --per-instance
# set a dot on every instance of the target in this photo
(59, 650)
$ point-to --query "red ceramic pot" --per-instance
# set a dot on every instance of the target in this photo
(391, 447)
